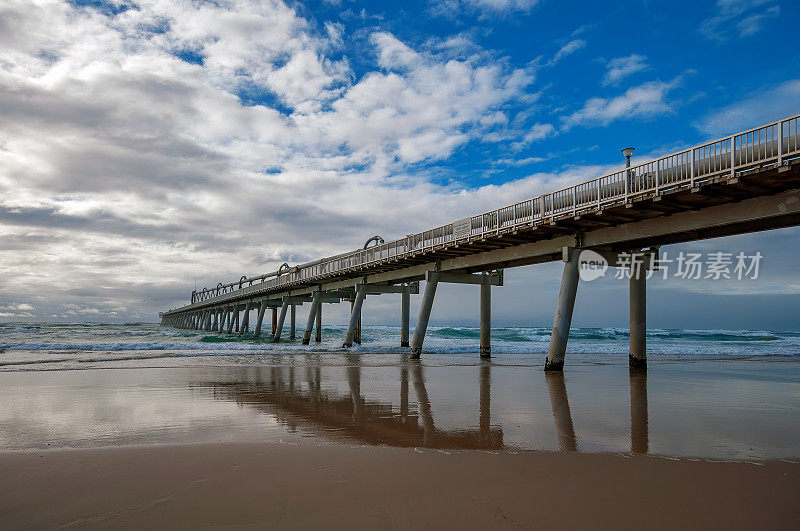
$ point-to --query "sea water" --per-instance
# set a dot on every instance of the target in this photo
(53, 346)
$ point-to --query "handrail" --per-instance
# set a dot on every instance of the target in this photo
(770, 143)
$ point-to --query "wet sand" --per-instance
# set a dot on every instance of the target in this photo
(731, 409)
(330, 486)
(376, 441)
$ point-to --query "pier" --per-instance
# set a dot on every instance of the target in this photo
(746, 182)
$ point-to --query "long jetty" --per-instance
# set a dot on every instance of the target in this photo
(746, 182)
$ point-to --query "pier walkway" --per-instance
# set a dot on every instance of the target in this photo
(746, 182)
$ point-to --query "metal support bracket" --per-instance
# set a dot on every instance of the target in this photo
(495, 277)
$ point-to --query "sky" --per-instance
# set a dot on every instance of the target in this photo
(148, 145)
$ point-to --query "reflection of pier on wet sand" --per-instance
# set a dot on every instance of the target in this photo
(277, 391)
(297, 399)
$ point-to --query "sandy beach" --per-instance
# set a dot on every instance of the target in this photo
(371, 442)
(306, 486)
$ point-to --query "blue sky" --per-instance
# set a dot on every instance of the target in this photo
(146, 143)
(694, 65)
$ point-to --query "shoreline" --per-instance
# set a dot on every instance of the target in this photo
(300, 485)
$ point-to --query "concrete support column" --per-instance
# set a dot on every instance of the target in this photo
(215, 321)
(312, 316)
(486, 317)
(563, 318)
(357, 332)
(292, 320)
(318, 336)
(276, 336)
(274, 321)
(231, 312)
(638, 322)
(262, 307)
(405, 310)
(355, 315)
(238, 319)
(245, 326)
(208, 320)
(432, 280)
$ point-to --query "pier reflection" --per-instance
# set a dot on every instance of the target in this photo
(640, 438)
(300, 398)
(312, 407)
(562, 416)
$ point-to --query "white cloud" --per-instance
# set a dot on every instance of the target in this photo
(126, 171)
(16, 311)
(538, 132)
(483, 7)
(619, 68)
(754, 23)
(644, 100)
(741, 18)
(526, 161)
(568, 49)
(17, 307)
(768, 104)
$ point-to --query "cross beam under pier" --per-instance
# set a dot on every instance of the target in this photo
(485, 280)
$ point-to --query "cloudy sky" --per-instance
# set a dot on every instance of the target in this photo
(148, 143)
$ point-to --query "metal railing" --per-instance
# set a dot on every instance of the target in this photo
(686, 169)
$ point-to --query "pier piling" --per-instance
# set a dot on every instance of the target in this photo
(355, 315)
(262, 307)
(231, 312)
(312, 316)
(276, 336)
(318, 335)
(404, 315)
(563, 317)
(432, 280)
(292, 321)
(486, 316)
(638, 319)
(245, 326)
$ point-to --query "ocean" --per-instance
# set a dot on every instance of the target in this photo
(57, 346)
(727, 394)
